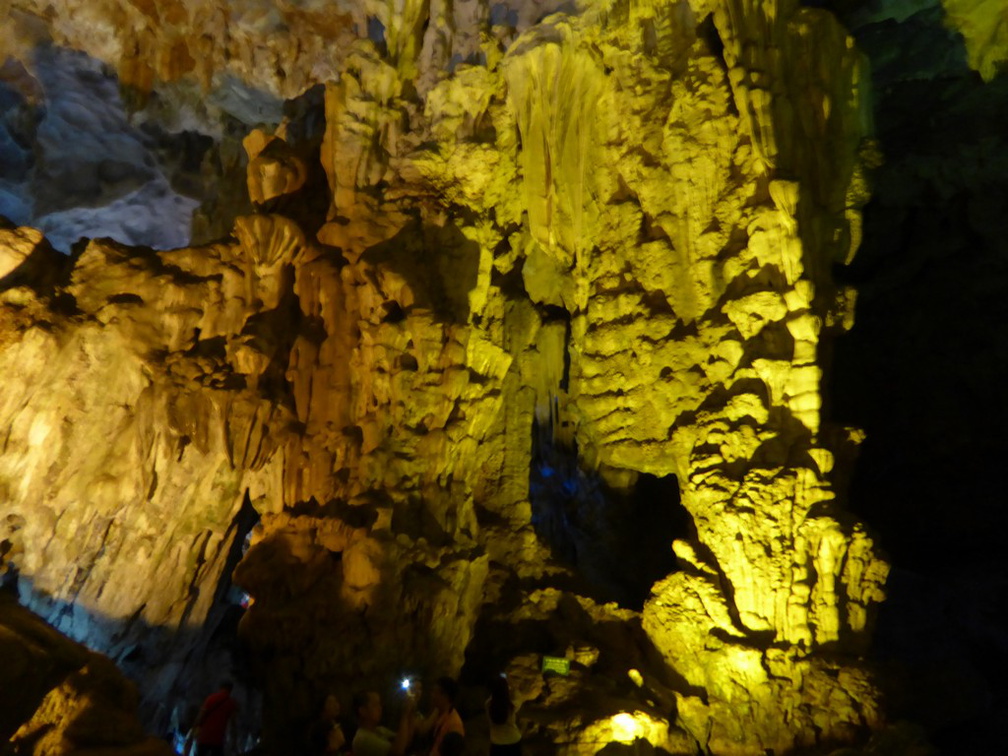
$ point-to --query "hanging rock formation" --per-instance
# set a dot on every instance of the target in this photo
(614, 227)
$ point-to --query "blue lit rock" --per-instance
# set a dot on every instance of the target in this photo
(87, 171)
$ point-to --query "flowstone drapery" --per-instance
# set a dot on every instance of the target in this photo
(615, 226)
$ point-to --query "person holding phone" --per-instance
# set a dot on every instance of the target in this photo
(505, 737)
(374, 740)
(327, 736)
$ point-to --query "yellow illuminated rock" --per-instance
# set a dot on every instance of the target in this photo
(983, 25)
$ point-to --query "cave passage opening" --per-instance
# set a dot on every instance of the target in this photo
(617, 539)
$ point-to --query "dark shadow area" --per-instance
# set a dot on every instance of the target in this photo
(239, 534)
(619, 542)
(376, 33)
(29, 679)
(44, 270)
(195, 659)
(923, 370)
(314, 628)
(354, 515)
(600, 650)
(942, 651)
(440, 265)
(620, 645)
(309, 204)
(414, 519)
(501, 15)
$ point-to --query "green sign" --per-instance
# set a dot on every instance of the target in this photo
(556, 664)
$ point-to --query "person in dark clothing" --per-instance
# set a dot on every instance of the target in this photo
(212, 721)
(452, 744)
(445, 718)
(327, 736)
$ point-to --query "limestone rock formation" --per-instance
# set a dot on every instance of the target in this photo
(58, 697)
(612, 228)
(982, 25)
(73, 164)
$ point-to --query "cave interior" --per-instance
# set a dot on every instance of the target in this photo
(348, 342)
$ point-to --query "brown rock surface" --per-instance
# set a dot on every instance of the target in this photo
(58, 697)
(613, 229)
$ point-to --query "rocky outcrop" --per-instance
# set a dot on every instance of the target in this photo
(614, 230)
(73, 163)
(978, 26)
(59, 697)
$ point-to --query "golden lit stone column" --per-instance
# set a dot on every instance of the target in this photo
(778, 572)
(694, 259)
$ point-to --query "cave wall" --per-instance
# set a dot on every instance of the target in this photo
(74, 164)
(929, 274)
(927, 350)
(676, 179)
(60, 697)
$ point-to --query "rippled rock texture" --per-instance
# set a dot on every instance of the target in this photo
(524, 266)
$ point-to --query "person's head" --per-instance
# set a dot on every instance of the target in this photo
(500, 699)
(331, 707)
(368, 708)
(227, 685)
(452, 744)
(443, 694)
